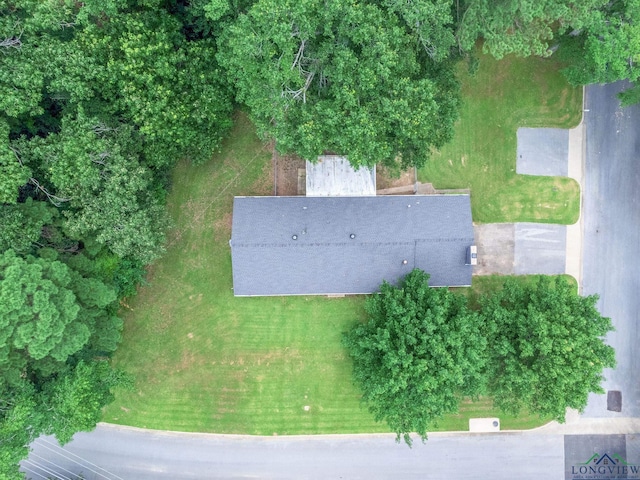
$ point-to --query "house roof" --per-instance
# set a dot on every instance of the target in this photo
(347, 245)
(333, 176)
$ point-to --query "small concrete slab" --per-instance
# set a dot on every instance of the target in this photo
(540, 249)
(543, 151)
(484, 424)
(495, 242)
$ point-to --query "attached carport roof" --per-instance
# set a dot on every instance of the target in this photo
(304, 245)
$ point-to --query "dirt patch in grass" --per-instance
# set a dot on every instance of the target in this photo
(263, 186)
(222, 225)
(287, 172)
(389, 178)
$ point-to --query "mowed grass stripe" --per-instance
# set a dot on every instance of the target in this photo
(206, 361)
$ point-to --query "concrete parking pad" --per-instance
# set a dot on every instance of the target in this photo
(540, 249)
(521, 249)
(495, 243)
(543, 151)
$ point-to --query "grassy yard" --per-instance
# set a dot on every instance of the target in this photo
(502, 96)
(206, 361)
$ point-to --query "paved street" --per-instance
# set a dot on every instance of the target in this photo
(139, 455)
(118, 453)
(611, 248)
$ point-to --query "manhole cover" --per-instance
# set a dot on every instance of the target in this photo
(614, 400)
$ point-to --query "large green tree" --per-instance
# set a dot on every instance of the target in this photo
(92, 170)
(546, 347)
(48, 313)
(523, 27)
(538, 347)
(607, 50)
(170, 88)
(419, 351)
(98, 100)
(61, 405)
(369, 80)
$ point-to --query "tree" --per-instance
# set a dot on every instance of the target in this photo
(170, 88)
(75, 400)
(343, 77)
(606, 50)
(98, 100)
(521, 27)
(547, 349)
(19, 426)
(93, 170)
(418, 352)
(12, 175)
(48, 313)
(22, 224)
(62, 405)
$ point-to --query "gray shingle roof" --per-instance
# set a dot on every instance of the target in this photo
(429, 232)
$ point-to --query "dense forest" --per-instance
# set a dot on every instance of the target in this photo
(100, 98)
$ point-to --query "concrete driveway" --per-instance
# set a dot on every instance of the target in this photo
(611, 213)
(537, 248)
(602, 250)
(540, 248)
(520, 249)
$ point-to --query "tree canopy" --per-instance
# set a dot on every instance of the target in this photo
(372, 81)
(606, 50)
(547, 347)
(420, 350)
(538, 347)
(523, 27)
(100, 98)
(70, 402)
(48, 313)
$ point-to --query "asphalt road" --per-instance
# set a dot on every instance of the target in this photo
(611, 248)
(141, 455)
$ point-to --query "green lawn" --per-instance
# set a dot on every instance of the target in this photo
(206, 361)
(502, 96)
